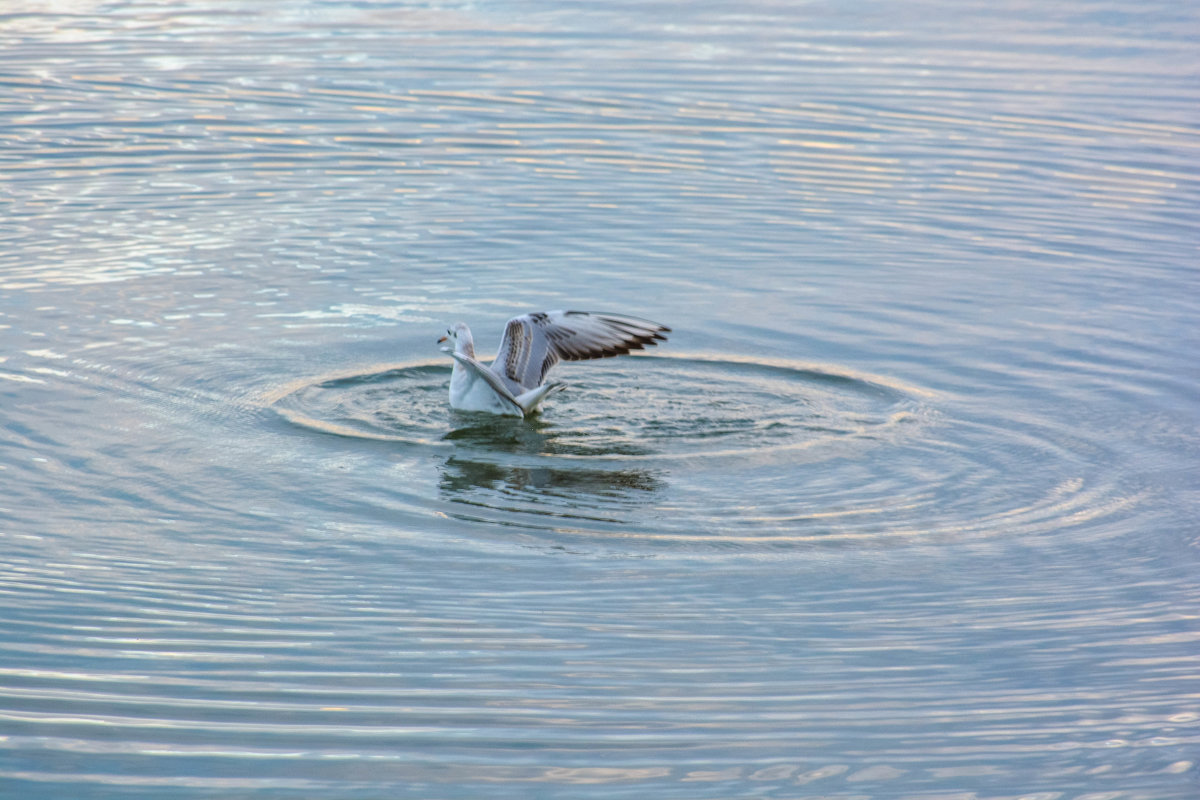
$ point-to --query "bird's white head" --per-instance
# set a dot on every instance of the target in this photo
(458, 339)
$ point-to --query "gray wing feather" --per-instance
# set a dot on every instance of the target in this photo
(533, 343)
(492, 380)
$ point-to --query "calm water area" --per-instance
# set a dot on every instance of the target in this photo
(907, 507)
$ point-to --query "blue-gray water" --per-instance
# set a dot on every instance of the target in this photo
(907, 507)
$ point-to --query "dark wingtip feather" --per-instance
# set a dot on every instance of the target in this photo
(634, 333)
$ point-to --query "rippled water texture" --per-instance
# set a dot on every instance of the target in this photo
(904, 508)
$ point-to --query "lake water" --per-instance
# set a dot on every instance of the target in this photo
(907, 506)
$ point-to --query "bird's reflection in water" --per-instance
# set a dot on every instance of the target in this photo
(511, 464)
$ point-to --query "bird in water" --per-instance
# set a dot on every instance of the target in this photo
(514, 384)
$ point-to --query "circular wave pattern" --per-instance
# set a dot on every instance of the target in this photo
(716, 450)
(679, 407)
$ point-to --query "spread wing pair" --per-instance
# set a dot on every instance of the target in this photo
(514, 383)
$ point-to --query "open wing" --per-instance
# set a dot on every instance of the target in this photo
(533, 343)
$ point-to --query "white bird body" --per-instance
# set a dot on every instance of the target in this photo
(514, 383)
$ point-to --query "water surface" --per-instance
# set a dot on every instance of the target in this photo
(905, 508)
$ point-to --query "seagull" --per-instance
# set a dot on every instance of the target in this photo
(514, 383)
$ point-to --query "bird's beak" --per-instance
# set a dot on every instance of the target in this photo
(444, 338)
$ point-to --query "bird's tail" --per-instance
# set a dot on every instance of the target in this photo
(529, 401)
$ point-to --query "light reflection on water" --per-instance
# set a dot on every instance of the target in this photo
(905, 507)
